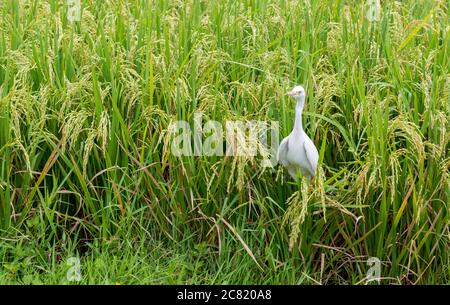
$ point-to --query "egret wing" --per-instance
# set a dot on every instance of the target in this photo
(312, 155)
(282, 152)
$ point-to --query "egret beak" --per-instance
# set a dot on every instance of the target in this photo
(291, 93)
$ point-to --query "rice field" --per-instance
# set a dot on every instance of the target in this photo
(87, 171)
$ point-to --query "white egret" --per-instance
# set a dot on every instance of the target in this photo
(297, 151)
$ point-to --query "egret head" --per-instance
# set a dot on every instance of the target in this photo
(297, 91)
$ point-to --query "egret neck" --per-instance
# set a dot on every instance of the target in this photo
(298, 127)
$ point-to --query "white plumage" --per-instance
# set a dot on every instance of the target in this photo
(297, 151)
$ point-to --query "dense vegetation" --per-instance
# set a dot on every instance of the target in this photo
(87, 170)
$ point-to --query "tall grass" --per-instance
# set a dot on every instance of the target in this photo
(85, 109)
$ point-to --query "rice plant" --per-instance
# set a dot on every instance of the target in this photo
(87, 170)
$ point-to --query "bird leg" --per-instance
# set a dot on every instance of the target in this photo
(311, 184)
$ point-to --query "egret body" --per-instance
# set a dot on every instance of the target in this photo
(297, 152)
